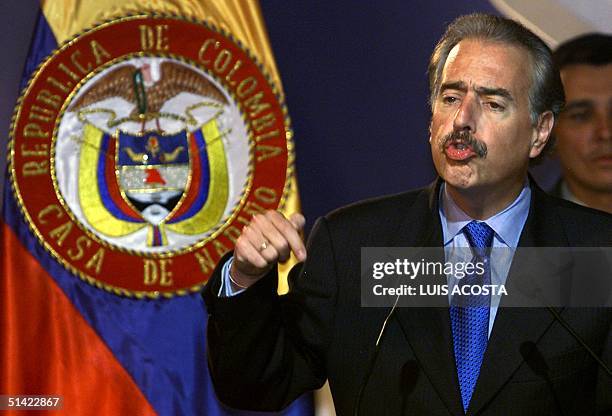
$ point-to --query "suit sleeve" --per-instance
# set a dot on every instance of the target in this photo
(266, 350)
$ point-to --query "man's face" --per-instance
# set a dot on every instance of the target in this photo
(584, 130)
(484, 94)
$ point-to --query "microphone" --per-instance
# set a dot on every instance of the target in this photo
(536, 362)
(370, 368)
(534, 291)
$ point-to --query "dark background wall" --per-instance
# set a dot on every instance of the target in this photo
(16, 24)
(354, 74)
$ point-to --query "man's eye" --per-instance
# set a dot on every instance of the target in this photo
(449, 99)
(578, 116)
(495, 106)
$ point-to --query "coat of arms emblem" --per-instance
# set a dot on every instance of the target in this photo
(142, 147)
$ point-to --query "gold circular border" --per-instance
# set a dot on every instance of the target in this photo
(289, 174)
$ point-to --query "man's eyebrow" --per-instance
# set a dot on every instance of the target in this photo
(501, 92)
(462, 86)
(456, 85)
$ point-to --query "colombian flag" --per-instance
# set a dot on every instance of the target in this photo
(106, 354)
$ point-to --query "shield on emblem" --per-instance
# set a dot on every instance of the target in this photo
(153, 172)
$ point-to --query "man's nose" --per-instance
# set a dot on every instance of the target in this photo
(466, 115)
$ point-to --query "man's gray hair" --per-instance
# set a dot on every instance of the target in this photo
(546, 90)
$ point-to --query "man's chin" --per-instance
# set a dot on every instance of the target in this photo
(600, 186)
(464, 188)
(459, 177)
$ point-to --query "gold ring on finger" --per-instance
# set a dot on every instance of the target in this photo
(263, 246)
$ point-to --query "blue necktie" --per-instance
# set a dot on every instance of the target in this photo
(470, 321)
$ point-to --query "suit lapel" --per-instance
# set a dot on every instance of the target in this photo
(428, 330)
(513, 325)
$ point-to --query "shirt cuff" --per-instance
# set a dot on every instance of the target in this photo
(226, 291)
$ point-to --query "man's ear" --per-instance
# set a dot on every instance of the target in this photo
(541, 133)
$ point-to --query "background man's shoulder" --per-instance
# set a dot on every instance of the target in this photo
(582, 223)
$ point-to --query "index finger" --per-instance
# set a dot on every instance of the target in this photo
(289, 232)
(297, 220)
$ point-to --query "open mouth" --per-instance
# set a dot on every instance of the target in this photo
(458, 150)
(462, 146)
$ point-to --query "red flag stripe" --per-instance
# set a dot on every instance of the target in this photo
(49, 348)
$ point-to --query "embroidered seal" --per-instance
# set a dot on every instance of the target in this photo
(141, 148)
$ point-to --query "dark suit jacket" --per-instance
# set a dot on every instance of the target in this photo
(266, 350)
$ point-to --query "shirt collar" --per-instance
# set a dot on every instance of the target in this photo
(507, 224)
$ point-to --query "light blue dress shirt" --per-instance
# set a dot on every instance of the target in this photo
(507, 224)
(226, 287)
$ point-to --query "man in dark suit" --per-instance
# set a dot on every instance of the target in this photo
(584, 129)
(494, 98)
